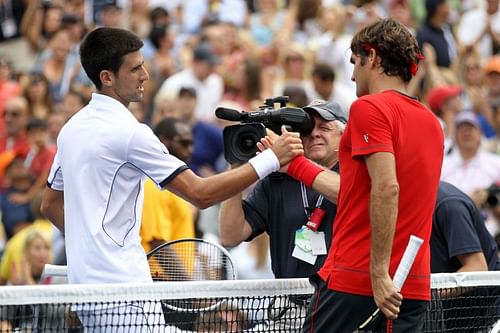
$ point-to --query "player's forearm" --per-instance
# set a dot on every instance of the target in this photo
(473, 262)
(328, 184)
(383, 216)
(214, 189)
(233, 226)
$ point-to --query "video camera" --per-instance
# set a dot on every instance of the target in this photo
(240, 141)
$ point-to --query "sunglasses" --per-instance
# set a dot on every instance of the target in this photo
(185, 142)
(11, 113)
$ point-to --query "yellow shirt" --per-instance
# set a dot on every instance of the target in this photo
(13, 253)
(165, 216)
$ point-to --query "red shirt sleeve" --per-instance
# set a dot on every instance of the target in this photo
(371, 129)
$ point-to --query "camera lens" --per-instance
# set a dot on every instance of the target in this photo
(240, 141)
(492, 200)
(247, 143)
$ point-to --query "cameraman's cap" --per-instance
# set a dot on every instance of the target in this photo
(204, 52)
(327, 110)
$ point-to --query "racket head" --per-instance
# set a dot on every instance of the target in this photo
(191, 259)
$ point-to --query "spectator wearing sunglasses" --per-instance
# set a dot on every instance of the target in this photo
(165, 216)
(13, 139)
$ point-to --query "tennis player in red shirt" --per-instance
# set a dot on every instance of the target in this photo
(390, 156)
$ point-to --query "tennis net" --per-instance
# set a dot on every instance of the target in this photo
(463, 302)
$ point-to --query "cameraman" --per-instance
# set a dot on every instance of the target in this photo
(280, 205)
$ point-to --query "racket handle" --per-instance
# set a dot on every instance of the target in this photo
(407, 261)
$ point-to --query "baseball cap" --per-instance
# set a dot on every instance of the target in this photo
(327, 110)
(437, 96)
(204, 52)
(493, 65)
(466, 117)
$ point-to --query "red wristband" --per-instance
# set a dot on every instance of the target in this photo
(303, 170)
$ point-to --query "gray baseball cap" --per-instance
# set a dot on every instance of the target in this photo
(327, 110)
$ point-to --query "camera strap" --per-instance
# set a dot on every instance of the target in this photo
(315, 218)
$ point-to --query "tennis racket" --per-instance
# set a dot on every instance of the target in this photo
(191, 259)
(399, 279)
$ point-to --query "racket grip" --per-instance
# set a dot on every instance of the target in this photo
(407, 261)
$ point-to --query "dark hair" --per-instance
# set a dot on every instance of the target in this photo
(167, 128)
(393, 43)
(156, 34)
(104, 49)
(431, 7)
(296, 94)
(157, 13)
(187, 91)
(324, 72)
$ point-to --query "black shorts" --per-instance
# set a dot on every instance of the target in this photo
(333, 311)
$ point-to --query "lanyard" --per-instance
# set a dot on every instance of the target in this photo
(316, 217)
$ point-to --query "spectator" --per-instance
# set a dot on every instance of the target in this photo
(15, 216)
(38, 96)
(480, 28)
(72, 102)
(492, 70)
(493, 144)
(207, 84)
(468, 167)
(38, 160)
(280, 205)
(446, 103)
(436, 32)
(13, 141)
(460, 241)
(327, 88)
(8, 86)
(13, 256)
(332, 47)
(40, 22)
(36, 253)
(55, 122)
(58, 65)
(266, 21)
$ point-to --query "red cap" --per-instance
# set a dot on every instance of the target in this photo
(437, 96)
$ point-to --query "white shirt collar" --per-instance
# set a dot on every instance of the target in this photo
(105, 102)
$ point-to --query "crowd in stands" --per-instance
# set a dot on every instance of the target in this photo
(201, 54)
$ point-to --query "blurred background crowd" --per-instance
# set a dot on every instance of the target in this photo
(201, 54)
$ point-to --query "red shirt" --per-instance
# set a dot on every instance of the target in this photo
(395, 123)
(42, 161)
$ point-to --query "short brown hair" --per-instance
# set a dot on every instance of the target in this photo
(394, 43)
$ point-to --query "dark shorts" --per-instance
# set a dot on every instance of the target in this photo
(333, 311)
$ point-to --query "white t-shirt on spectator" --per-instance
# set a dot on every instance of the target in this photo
(476, 174)
(472, 26)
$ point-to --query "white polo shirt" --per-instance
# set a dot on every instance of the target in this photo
(103, 155)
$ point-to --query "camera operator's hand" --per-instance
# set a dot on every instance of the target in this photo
(286, 146)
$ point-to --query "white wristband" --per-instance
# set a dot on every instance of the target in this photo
(265, 163)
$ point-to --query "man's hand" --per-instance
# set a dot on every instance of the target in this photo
(387, 298)
(286, 146)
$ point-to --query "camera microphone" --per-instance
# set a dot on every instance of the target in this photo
(228, 114)
(297, 118)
